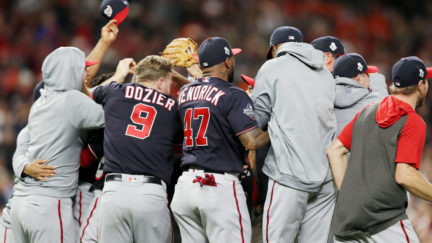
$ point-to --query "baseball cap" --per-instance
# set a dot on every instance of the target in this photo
(214, 51)
(114, 9)
(409, 71)
(329, 44)
(351, 65)
(91, 63)
(248, 80)
(284, 34)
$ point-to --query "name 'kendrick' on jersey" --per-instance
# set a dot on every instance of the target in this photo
(204, 92)
(147, 95)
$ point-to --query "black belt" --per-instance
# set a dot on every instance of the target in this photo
(186, 168)
(145, 179)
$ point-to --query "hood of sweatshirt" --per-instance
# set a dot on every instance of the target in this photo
(304, 52)
(348, 92)
(390, 110)
(63, 69)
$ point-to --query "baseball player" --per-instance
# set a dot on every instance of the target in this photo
(352, 88)
(332, 48)
(6, 233)
(218, 122)
(294, 97)
(386, 142)
(55, 121)
(90, 217)
(36, 169)
(89, 161)
(90, 158)
(141, 124)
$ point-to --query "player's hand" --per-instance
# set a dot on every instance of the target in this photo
(126, 66)
(38, 170)
(109, 32)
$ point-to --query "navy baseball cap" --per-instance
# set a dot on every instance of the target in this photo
(409, 71)
(214, 51)
(351, 65)
(114, 9)
(329, 44)
(284, 34)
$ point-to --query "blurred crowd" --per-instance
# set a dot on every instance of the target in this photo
(381, 31)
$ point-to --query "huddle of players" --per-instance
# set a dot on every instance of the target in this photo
(142, 122)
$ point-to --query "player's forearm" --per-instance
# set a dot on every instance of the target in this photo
(413, 181)
(338, 165)
(252, 163)
(255, 139)
(179, 79)
(97, 54)
(337, 155)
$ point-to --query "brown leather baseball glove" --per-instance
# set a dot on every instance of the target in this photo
(180, 51)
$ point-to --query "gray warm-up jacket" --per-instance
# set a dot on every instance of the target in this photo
(351, 97)
(294, 96)
(55, 122)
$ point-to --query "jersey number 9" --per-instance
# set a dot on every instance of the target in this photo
(146, 122)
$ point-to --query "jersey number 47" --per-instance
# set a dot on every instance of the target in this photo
(196, 113)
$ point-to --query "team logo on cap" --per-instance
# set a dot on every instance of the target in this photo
(421, 73)
(227, 51)
(248, 111)
(333, 46)
(108, 11)
(205, 64)
(291, 37)
(397, 84)
(359, 66)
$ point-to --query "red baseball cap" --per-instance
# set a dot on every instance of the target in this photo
(91, 63)
(248, 80)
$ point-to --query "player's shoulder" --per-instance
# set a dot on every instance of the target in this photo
(414, 119)
(75, 94)
(235, 89)
(193, 83)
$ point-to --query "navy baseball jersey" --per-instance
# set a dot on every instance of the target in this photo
(214, 112)
(140, 128)
(91, 155)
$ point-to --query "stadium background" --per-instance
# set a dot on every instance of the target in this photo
(382, 31)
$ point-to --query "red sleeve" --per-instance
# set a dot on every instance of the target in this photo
(411, 141)
(346, 135)
(88, 158)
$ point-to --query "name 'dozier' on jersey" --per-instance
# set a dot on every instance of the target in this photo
(148, 95)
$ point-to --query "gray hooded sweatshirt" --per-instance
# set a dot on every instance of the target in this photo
(294, 96)
(351, 97)
(55, 122)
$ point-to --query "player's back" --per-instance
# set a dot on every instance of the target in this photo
(55, 122)
(214, 113)
(140, 128)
